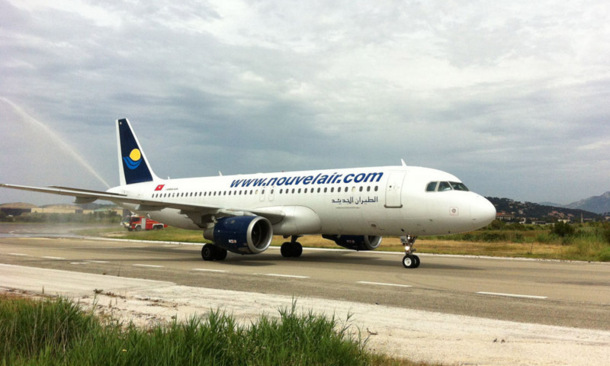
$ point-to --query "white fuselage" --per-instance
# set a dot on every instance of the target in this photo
(392, 200)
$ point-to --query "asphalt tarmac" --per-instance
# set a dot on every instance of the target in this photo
(574, 294)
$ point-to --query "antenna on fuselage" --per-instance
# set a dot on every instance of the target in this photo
(402, 161)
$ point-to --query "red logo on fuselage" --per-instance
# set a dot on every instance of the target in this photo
(159, 187)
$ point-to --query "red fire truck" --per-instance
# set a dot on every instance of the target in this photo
(138, 223)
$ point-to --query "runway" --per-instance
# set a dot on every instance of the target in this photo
(548, 293)
(575, 294)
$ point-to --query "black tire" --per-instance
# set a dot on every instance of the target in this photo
(221, 254)
(207, 252)
(408, 261)
(138, 228)
(297, 250)
(285, 250)
(291, 250)
(417, 261)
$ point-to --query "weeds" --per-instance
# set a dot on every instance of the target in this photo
(52, 332)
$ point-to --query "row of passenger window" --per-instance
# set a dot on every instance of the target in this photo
(246, 192)
(445, 186)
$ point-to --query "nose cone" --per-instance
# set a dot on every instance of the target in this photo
(483, 212)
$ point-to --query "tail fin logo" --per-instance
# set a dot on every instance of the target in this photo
(133, 160)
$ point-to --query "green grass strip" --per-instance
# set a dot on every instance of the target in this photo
(58, 332)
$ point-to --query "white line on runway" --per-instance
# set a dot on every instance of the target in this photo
(147, 265)
(382, 284)
(99, 262)
(19, 254)
(285, 276)
(210, 270)
(79, 263)
(54, 258)
(512, 295)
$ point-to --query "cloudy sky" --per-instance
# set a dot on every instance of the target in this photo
(512, 97)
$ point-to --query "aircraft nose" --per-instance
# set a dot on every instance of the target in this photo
(483, 212)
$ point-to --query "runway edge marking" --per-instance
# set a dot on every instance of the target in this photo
(383, 284)
(512, 295)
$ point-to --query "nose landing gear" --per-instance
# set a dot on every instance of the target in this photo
(410, 260)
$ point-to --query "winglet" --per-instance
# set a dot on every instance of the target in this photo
(133, 165)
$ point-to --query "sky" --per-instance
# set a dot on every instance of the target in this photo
(511, 97)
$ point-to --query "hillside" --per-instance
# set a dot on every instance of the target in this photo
(515, 210)
(597, 204)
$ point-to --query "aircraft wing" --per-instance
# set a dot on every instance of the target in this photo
(192, 210)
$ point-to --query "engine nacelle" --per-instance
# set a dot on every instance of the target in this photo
(356, 242)
(241, 234)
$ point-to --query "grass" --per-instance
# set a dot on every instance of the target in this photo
(588, 243)
(58, 332)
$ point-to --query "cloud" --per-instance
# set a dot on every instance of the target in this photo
(507, 96)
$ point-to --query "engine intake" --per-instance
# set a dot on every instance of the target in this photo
(241, 234)
(356, 242)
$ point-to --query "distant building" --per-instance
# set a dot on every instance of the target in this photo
(16, 208)
(19, 208)
(59, 209)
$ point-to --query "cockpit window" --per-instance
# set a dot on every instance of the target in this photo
(445, 186)
(458, 186)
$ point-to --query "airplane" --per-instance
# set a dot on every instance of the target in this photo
(353, 207)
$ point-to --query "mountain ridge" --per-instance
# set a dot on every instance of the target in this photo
(598, 204)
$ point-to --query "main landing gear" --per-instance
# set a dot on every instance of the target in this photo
(410, 260)
(292, 248)
(210, 252)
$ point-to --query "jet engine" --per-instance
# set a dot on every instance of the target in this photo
(356, 242)
(241, 234)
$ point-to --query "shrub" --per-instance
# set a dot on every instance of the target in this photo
(604, 256)
(562, 229)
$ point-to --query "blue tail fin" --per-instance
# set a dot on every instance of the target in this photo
(133, 165)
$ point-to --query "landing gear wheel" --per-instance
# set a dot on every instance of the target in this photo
(221, 254)
(416, 260)
(207, 252)
(210, 252)
(297, 249)
(291, 250)
(410, 261)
